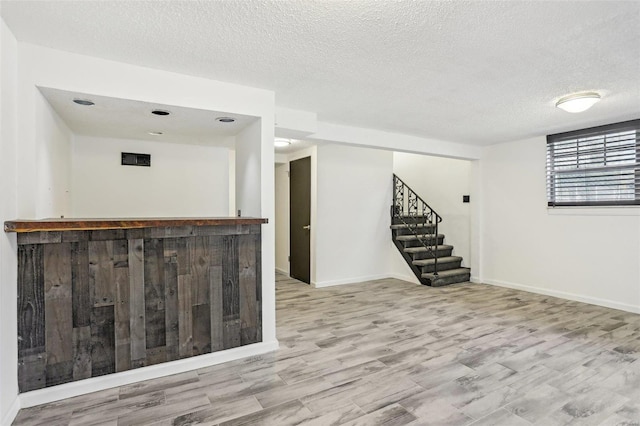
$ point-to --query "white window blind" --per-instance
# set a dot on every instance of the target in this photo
(599, 166)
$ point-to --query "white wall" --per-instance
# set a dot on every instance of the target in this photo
(282, 217)
(591, 255)
(352, 222)
(53, 156)
(9, 403)
(441, 183)
(183, 180)
(248, 167)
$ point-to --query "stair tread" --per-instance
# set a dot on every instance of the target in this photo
(421, 225)
(443, 259)
(419, 249)
(413, 237)
(448, 273)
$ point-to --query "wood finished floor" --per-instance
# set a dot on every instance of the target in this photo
(393, 353)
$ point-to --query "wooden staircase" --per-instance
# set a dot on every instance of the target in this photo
(414, 230)
(422, 261)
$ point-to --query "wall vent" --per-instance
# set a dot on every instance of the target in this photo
(132, 159)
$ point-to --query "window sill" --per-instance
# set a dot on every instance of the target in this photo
(594, 211)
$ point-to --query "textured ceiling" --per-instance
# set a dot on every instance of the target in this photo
(465, 71)
(129, 119)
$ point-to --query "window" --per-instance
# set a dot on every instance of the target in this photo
(599, 166)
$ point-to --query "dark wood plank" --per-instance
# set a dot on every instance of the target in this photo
(120, 253)
(154, 292)
(80, 284)
(43, 237)
(185, 319)
(183, 250)
(201, 329)
(58, 313)
(59, 373)
(171, 305)
(31, 309)
(156, 355)
(247, 288)
(122, 318)
(136, 301)
(32, 372)
(102, 341)
(230, 293)
(101, 287)
(216, 252)
(200, 270)
(82, 353)
(258, 238)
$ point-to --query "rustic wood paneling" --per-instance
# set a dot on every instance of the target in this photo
(230, 293)
(247, 280)
(102, 341)
(96, 302)
(80, 284)
(136, 302)
(171, 301)
(31, 334)
(82, 352)
(155, 329)
(101, 288)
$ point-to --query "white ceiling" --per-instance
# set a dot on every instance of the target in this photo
(129, 119)
(475, 72)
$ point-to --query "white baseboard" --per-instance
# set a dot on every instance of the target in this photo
(476, 280)
(282, 271)
(565, 295)
(354, 280)
(81, 387)
(12, 413)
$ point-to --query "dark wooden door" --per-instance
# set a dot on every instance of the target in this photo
(300, 219)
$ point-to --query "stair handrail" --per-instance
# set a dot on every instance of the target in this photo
(415, 213)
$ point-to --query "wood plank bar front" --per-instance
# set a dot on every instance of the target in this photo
(100, 296)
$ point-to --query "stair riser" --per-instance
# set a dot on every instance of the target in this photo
(442, 267)
(454, 279)
(416, 243)
(427, 255)
(422, 230)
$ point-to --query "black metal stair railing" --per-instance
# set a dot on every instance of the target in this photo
(417, 215)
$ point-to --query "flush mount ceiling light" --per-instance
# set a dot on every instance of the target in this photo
(160, 112)
(85, 102)
(281, 142)
(155, 133)
(578, 102)
(225, 119)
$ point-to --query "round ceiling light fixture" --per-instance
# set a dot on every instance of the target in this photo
(281, 142)
(160, 112)
(85, 102)
(225, 119)
(578, 102)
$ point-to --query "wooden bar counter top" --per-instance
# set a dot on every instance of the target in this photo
(74, 224)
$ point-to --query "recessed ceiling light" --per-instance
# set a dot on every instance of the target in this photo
(578, 102)
(155, 133)
(281, 142)
(160, 112)
(85, 102)
(225, 119)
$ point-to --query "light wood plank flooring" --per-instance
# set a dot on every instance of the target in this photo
(393, 353)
